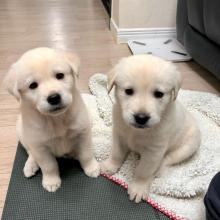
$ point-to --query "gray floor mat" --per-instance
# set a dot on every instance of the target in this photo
(79, 197)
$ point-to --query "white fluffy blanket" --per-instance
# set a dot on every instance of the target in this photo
(182, 187)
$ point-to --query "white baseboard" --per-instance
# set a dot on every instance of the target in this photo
(123, 35)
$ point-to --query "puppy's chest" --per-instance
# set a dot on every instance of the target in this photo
(62, 139)
(141, 142)
(65, 144)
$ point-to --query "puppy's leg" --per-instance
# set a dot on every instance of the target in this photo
(162, 169)
(187, 149)
(86, 156)
(30, 167)
(144, 174)
(118, 154)
(49, 167)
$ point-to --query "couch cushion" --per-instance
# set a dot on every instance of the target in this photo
(204, 51)
(211, 15)
(195, 14)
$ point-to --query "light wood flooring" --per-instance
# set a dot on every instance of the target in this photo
(77, 25)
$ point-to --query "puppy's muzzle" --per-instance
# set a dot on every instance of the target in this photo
(54, 99)
(141, 120)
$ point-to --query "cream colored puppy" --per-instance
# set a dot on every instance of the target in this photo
(54, 121)
(149, 120)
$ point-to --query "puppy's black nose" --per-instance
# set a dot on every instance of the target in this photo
(54, 99)
(141, 119)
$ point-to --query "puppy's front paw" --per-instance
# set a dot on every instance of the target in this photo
(92, 169)
(30, 168)
(109, 167)
(51, 183)
(138, 191)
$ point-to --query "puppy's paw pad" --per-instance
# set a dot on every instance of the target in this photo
(92, 170)
(137, 192)
(108, 167)
(30, 169)
(51, 184)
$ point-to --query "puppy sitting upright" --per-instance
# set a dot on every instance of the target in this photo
(149, 120)
(54, 121)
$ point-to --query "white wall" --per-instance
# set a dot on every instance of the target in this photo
(144, 13)
(115, 11)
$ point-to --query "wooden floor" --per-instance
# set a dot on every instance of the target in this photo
(77, 25)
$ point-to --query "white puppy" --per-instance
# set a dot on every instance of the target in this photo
(149, 120)
(54, 121)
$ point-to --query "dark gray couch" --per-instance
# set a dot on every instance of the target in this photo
(198, 29)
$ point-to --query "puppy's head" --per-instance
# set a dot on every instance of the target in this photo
(44, 79)
(145, 87)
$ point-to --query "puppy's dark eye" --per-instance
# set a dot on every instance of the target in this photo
(59, 76)
(33, 85)
(158, 94)
(129, 91)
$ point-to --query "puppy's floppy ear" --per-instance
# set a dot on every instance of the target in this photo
(10, 81)
(73, 61)
(111, 79)
(112, 74)
(177, 81)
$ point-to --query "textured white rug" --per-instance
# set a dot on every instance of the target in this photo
(182, 187)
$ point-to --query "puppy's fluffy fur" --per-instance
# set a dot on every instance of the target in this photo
(149, 120)
(56, 127)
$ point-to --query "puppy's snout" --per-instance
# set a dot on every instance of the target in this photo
(141, 118)
(54, 99)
